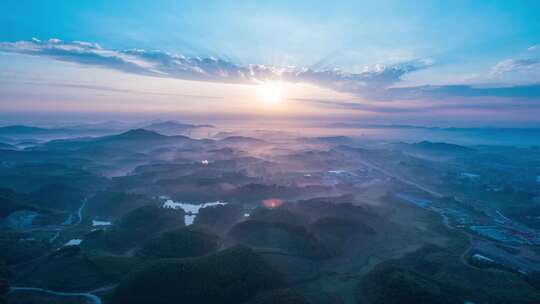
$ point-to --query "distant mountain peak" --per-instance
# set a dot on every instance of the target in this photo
(440, 146)
(139, 134)
(169, 123)
(241, 139)
(175, 124)
(16, 129)
(171, 127)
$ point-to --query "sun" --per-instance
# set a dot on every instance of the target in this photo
(271, 92)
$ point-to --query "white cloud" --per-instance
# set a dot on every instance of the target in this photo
(510, 65)
(163, 64)
(376, 83)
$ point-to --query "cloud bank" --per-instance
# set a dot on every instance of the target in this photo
(375, 83)
(163, 64)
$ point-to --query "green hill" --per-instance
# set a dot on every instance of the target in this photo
(134, 228)
(10, 202)
(280, 296)
(387, 284)
(319, 208)
(180, 243)
(17, 248)
(71, 270)
(58, 197)
(231, 276)
(276, 236)
(335, 232)
(219, 218)
(282, 215)
(114, 204)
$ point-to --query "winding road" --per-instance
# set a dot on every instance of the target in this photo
(91, 297)
(80, 211)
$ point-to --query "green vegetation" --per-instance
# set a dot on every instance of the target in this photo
(219, 218)
(335, 232)
(58, 197)
(282, 237)
(282, 215)
(4, 146)
(34, 297)
(533, 278)
(69, 269)
(319, 208)
(4, 284)
(113, 267)
(388, 284)
(231, 276)
(511, 250)
(439, 148)
(136, 227)
(344, 233)
(10, 202)
(18, 247)
(4, 271)
(180, 243)
(279, 296)
(114, 204)
(340, 228)
(29, 177)
(439, 269)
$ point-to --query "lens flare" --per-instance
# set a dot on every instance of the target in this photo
(272, 203)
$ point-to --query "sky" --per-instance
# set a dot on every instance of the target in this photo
(445, 63)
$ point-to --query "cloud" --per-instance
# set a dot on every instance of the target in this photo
(376, 83)
(347, 105)
(510, 65)
(436, 92)
(163, 64)
(534, 47)
(481, 104)
(136, 61)
(370, 82)
(116, 90)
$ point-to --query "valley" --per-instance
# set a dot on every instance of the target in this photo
(97, 219)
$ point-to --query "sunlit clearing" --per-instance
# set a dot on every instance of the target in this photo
(271, 92)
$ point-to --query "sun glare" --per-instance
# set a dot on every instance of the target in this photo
(271, 92)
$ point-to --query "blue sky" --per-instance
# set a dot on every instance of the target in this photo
(460, 62)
